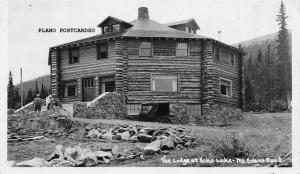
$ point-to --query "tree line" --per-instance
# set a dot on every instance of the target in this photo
(29, 93)
(268, 75)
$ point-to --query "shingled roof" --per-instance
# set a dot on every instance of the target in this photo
(143, 26)
(191, 20)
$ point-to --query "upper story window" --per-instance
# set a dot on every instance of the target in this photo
(195, 50)
(187, 29)
(164, 83)
(145, 49)
(225, 87)
(116, 27)
(216, 52)
(106, 29)
(182, 49)
(232, 59)
(74, 55)
(102, 51)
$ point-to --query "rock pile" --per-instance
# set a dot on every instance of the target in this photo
(108, 105)
(32, 125)
(70, 157)
(157, 139)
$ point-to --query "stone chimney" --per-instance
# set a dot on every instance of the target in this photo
(143, 13)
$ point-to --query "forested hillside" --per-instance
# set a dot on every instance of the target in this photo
(262, 66)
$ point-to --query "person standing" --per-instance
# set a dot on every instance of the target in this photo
(37, 103)
(49, 102)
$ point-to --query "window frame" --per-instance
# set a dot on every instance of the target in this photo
(71, 58)
(194, 54)
(230, 86)
(99, 46)
(150, 49)
(116, 27)
(66, 85)
(177, 84)
(177, 49)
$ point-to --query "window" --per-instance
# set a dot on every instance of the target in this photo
(88, 82)
(193, 109)
(225, 87)
(107, 84)
(116, 27)
(145, 49)
(232, 59)
(195, 50)
(164, 83)
(102, 51)
(216, 52)
(181, 49)
(106, 29)
(74, 55)
(187, 29)
(133, 108)
(70, 89)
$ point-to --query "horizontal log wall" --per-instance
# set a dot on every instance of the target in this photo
(88, 66)
(224, 69)
(139, 70)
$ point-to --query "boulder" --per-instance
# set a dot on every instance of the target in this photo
(117, 152)
(147, 130)
(144, 138)
(124, 135)
(167, 144)
(57, 153)
(94, 133)
(152, 148)
(35, 162)
(61, 163)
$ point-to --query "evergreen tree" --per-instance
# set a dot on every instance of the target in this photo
(30, 96)
(36, 89)
(258, 79)
(269, 77)
(249, 89)
(10, 92)
(284, 72)
(17, 99)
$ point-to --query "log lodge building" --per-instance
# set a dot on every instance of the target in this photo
(146, 61)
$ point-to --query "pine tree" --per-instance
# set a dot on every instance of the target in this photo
(43, 92)
(284, 81)
(30, 96)
(258, 79)
(249, 89)
(36, 89)
(10, 92)
(17, 98)
(269, 77)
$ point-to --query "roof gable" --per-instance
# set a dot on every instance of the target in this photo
(190, 22)
(111, 19)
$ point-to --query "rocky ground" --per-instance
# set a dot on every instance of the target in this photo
(264, 136)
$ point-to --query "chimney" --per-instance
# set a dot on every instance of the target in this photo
(143, 13)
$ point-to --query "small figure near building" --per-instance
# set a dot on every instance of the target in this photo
(49, 102)
(37, 103)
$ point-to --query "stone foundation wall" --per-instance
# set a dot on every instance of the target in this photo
(109, 106)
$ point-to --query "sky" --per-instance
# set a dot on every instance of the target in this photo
(239, 20)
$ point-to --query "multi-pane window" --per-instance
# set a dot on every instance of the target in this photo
(164, 83)
(145, 49)
(182, 49)
(102, 51)
(116, 27)
(70, 89)
(133, 108)
(216, 52)
(232, 59)
(193, 109)
(88, 82)
(195, 50)
(107, 84)
(106, 29)
(225, 87)
(74, 55)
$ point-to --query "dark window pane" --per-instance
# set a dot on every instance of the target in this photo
(71, 91)
(110, 86)
(223, 90)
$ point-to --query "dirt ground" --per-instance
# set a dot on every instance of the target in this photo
(269, 135)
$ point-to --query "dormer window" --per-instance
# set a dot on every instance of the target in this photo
(116, 27)
(106, 29)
